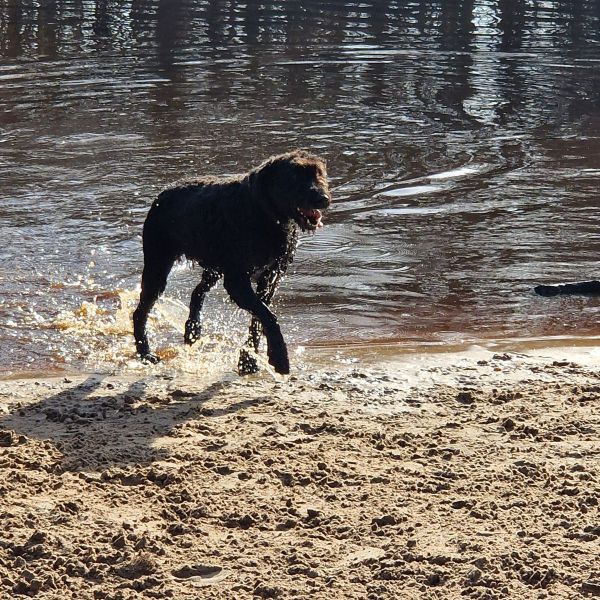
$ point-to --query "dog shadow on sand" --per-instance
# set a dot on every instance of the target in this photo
(100, 423)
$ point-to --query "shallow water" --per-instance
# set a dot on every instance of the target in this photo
(462, 138)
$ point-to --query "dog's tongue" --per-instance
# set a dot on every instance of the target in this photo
(314, 215)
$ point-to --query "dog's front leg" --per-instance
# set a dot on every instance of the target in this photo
(247, 363)
(265, 289)
(240, 290)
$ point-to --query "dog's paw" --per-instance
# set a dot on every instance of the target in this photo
(247, 364)
(149, 358)
(193, 330)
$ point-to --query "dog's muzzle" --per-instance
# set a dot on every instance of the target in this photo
(319, 199)
(309, 219)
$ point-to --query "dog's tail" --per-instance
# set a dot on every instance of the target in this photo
(588, 288)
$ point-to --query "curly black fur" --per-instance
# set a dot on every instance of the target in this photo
(239, 228)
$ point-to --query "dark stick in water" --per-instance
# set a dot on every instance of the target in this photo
(584, 287)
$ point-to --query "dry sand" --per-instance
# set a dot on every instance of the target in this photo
(465, 475)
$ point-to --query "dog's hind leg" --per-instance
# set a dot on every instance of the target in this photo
(240, 289)
(193, 327)
(265, 289)
(154, 281)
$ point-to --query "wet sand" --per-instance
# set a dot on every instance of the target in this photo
(465, 475)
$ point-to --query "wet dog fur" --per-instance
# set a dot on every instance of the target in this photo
(239, 228)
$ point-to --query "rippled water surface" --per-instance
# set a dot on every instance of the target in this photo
(462, 139)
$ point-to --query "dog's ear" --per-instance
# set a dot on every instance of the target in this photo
(260, 178)
(264, 183)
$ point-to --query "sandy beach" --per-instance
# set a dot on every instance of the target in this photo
(438, 437)
(472, 474)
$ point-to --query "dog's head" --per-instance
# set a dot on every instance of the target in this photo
(293, 186)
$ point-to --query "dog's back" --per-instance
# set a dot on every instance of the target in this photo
(193, 219)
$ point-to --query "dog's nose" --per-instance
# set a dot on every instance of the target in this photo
(322, 200)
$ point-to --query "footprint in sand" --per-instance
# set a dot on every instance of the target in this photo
(201, 575)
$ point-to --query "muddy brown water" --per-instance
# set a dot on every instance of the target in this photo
(462, 138)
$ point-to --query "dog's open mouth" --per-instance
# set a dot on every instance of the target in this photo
(309, 218)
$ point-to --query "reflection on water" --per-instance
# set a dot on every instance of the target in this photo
(462, 139)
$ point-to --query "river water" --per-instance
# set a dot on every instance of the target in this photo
(462, 140)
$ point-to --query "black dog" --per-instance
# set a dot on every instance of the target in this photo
(239, 228)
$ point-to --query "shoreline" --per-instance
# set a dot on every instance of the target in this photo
(370, 351)
(362, 475)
